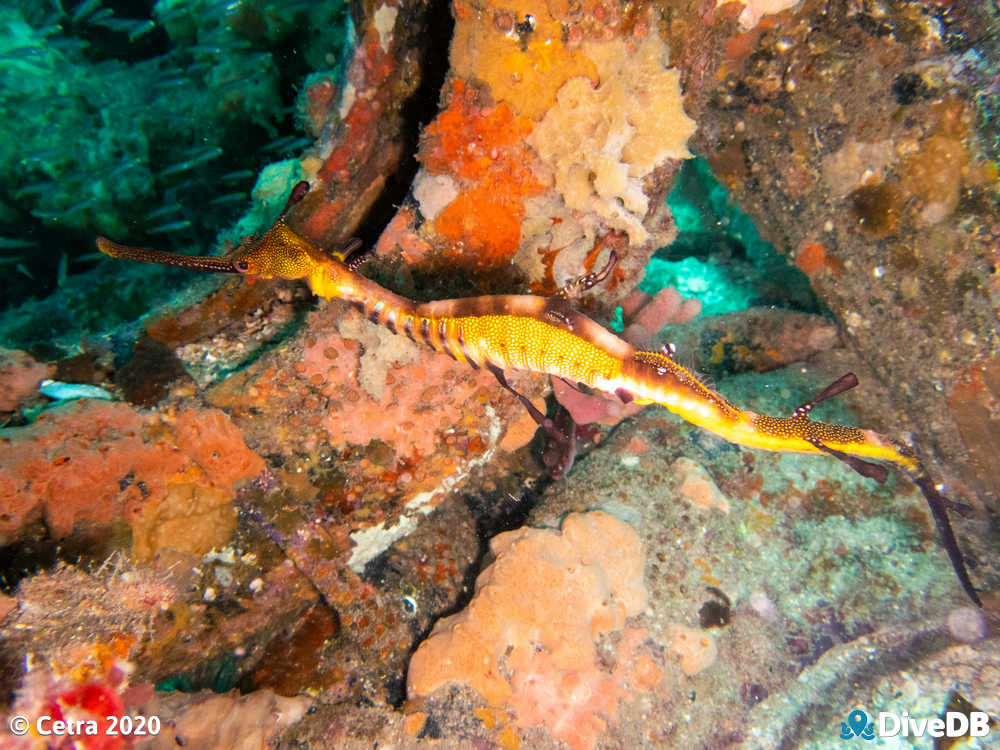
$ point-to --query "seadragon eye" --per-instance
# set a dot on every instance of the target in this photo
(242, 266)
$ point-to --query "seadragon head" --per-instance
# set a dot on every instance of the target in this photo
(280, 253)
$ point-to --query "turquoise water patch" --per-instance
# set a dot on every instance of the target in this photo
(703, 280)
(719, 257)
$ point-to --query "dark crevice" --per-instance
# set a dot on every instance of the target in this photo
(433, 44)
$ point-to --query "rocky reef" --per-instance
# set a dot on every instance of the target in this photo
(267, 521)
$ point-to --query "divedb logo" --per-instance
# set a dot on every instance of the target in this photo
(890, 724)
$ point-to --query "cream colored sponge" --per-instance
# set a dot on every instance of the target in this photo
(601, 141)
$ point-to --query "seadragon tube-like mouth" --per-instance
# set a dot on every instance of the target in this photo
(207, 263)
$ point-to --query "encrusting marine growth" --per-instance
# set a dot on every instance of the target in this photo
(547, 335)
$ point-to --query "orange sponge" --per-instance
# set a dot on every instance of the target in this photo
(483, 148)
(537, 613)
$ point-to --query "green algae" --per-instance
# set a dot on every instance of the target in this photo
(146, 124)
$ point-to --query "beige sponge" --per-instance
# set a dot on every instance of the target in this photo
(602, 141)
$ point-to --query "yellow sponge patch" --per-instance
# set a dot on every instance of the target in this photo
(523, 70)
